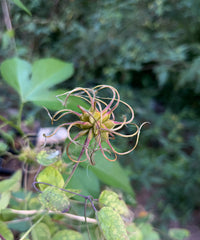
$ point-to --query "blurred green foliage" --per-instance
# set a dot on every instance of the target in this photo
(150, 50)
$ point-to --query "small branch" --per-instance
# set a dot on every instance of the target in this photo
(6, 15)
(69, 215)
(7, 20)
(76, 165)
(1, 237)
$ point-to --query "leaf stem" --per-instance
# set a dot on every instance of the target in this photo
(30, 229)
(16, 127)
(75, 166)
(19, 118)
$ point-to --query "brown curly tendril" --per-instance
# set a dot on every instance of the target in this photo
(96, 123)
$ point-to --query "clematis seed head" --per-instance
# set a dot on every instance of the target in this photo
(97, 123)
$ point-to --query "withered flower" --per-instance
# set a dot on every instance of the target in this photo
(97, 123)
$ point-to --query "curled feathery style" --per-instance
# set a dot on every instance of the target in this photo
(97, 123)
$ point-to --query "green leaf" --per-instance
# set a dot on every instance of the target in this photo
(178, 233)
(72, 192)
(4, 200)
(111, 173)
(85, 180)
(67, 235)
(47, 73)
(48, 99)
(134, 232)
(21, 226)
(5, 232)
(111, 224)
(54, 199)
(111, 199)
(47, 158)
(148, 232)
(16, 73)
(52, 176)
(41, 232)
(12, 184)
(21, 5)
(32, 82)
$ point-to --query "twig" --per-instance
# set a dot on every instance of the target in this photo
(69, 215)
(76, 165)
(7, 20)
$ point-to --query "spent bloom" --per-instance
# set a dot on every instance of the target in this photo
(96, 123)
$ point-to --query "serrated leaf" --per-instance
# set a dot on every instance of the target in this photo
(22, 6)
(11, 184)
(67, 235)
(50, 175)
(111, 224)
(41, 232)
(54, 199)
(111, 199)
(5, 232)
(4, 200)
(178, 233)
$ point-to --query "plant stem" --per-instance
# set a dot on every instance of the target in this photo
(18, 128)
(30, 229)
(19, 118)
(76, 165)
(8, 23)
(74, 168)
(69, 215)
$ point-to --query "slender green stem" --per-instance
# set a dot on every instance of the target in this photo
(10, 123)
(19, 118)
(30, 229)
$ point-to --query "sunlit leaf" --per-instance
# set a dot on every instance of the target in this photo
(178, 233)
(50, 175)
(134, 232)
(47, 158)
(54, 199)
(4, 200)
(5, 232)
(148, 232)
(11, 184)
(67, 235)
(41, 232)
(111, 199)
(111, 224)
